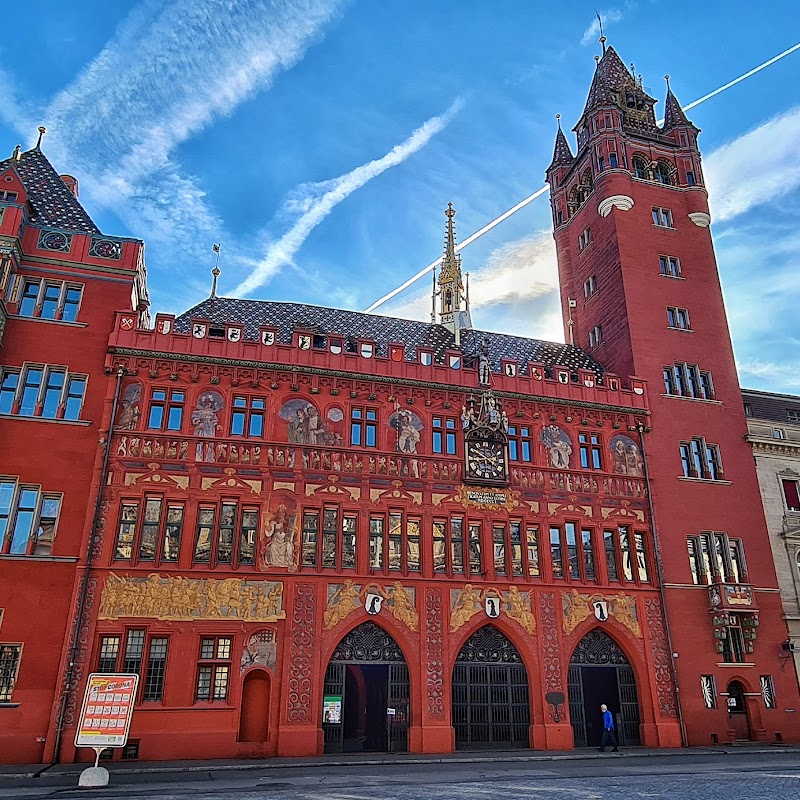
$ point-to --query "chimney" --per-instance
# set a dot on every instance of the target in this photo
(72, 183)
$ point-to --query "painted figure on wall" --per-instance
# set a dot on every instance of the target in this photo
(408, 426)
(559, 446)
(130, 410)
(305, 425)
(206, 422)
(279, 545)
(626, 456)
(261, 650)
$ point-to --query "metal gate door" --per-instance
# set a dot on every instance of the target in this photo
(576, 711)
(628, 705)
(334, 687)
(491, 707)
(398, 699)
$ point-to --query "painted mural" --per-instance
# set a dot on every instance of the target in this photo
(279, 542)
(130, 408)
(305, 425)
(184, 599)
(626, 457)
(344, 598)
(467, 602)
(261, 650)
(559, 446)
(205, 419)
(577, 607)
(408, 426)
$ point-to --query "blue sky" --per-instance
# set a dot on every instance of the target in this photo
(320, 141)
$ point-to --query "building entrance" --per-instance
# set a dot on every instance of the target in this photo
(599, 673)
(491, 707)
(366, 694)
(737, 712)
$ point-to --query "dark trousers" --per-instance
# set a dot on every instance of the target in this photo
(608, 738)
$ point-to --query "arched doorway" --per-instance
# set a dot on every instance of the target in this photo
(599, 672)
(366, 694)
(737, 712)
(490, 693)
(254, 718)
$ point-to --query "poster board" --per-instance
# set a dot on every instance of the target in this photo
(106, 712)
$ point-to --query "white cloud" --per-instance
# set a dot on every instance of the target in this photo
(756, 168)
(609, 17)
(314, 201)
(169, 71)
(780, 377)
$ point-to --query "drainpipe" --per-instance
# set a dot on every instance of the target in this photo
(84, 587)
(662, 591)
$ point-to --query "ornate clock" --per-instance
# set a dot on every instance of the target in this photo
(485, 441)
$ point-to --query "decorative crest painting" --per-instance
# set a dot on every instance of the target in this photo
(559, 446)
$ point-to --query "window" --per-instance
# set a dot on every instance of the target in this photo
(532, 548)
(767, 690)
(247, 417)
(585, 239)
(612, 160)
(690, 179)
(792, 415)
(221, 532)
(733, 649)
(8, 197)
(507, 548)
(475, 555)
(443, 432)
(709, 688)
(377, 526)
(519, 443)
(9, 381)
(112, 658)
(591, 450)
(166, 409)
(662, 217)
(778, 433)
(701, 460)
(30, 390)
(158, 538)
(670, 266)
(556, 553)
(626, 555)
(247, 535)
(715, 557)
(404, 534)
(663, 172)
(337, 544)
(50, 299)
(572, 552)
(791, 494)
(28, 519)
(595, 336)
(448, 545)
(10, 655)
(678, 318)
(641, 168)
(42, 391)
(364, 427)
(688, 380)
(214, 668)
(590, 286)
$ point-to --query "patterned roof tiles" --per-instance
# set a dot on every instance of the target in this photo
(52, 204)
(674, 115)
(354, 325)
(562, 153)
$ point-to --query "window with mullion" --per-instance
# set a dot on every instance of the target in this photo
(109, 652)
(519, 443)
(499, 549)
(51, 300)
(310, 534)
(30, 390)
(151, 523)
(475, 554)
(363, 427)
(556, 553)
(30, 298)
(247, 416)
(590, 450)
(377, 529)
(214, 668)
(330, 537)
(457, 545)
(247, 536)
(8, 390)
(226, 533)
(699, 459)
(153, 689)
(532, 550)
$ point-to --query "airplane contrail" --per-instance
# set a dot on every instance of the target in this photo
(539, 192)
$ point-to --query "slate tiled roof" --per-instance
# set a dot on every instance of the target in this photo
(770, 406)
(673, 113)
(562, 153)
(354, 325)
(51, 203)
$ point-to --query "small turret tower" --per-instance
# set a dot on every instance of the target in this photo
(453, 303)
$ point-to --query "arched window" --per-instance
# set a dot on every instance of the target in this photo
(640, 168)
(448, 301)
(663, 172)
(587, 185)
(573, 202)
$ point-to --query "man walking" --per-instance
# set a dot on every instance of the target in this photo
(608, 730)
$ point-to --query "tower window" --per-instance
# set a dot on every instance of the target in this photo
(678, 318)
(590, 286)
(641, 168)
(792, 415)
(688, 380)
(662, 217)
(669, 266)
(612, 160)
(595, 336)
(690, 179)
(778, 433)
(663, 172)
(585, 239)
(701, 460)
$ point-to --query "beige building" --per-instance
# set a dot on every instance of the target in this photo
(773, 424)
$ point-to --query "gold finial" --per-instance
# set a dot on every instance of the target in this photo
(42, 132)
(666, 78)
(597, 59)
(558, 118)
(450, 212)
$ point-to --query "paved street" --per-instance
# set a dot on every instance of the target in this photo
(691, 777)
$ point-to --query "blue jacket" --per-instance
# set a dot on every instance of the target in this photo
(608, 720)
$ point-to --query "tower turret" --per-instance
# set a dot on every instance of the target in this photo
(453, 306)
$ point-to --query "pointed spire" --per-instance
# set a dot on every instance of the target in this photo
(451, 286)
(674, 115)
(451, 264)
(562, 153)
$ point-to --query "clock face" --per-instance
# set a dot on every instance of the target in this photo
(486, 461)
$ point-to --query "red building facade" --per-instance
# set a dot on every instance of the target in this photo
(641, 291)
(311, 530)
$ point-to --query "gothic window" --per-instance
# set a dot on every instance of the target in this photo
(403, 543)
(28, 519)
(223, 534)
(507, 548)
(337, 542)
(663, 172)
(586, 187)
(701, 460)
(641, 168)
(573, 203)
(151, 535)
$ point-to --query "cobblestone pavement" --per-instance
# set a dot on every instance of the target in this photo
(686, 778)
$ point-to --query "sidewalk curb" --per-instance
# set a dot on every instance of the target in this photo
(400, 760)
